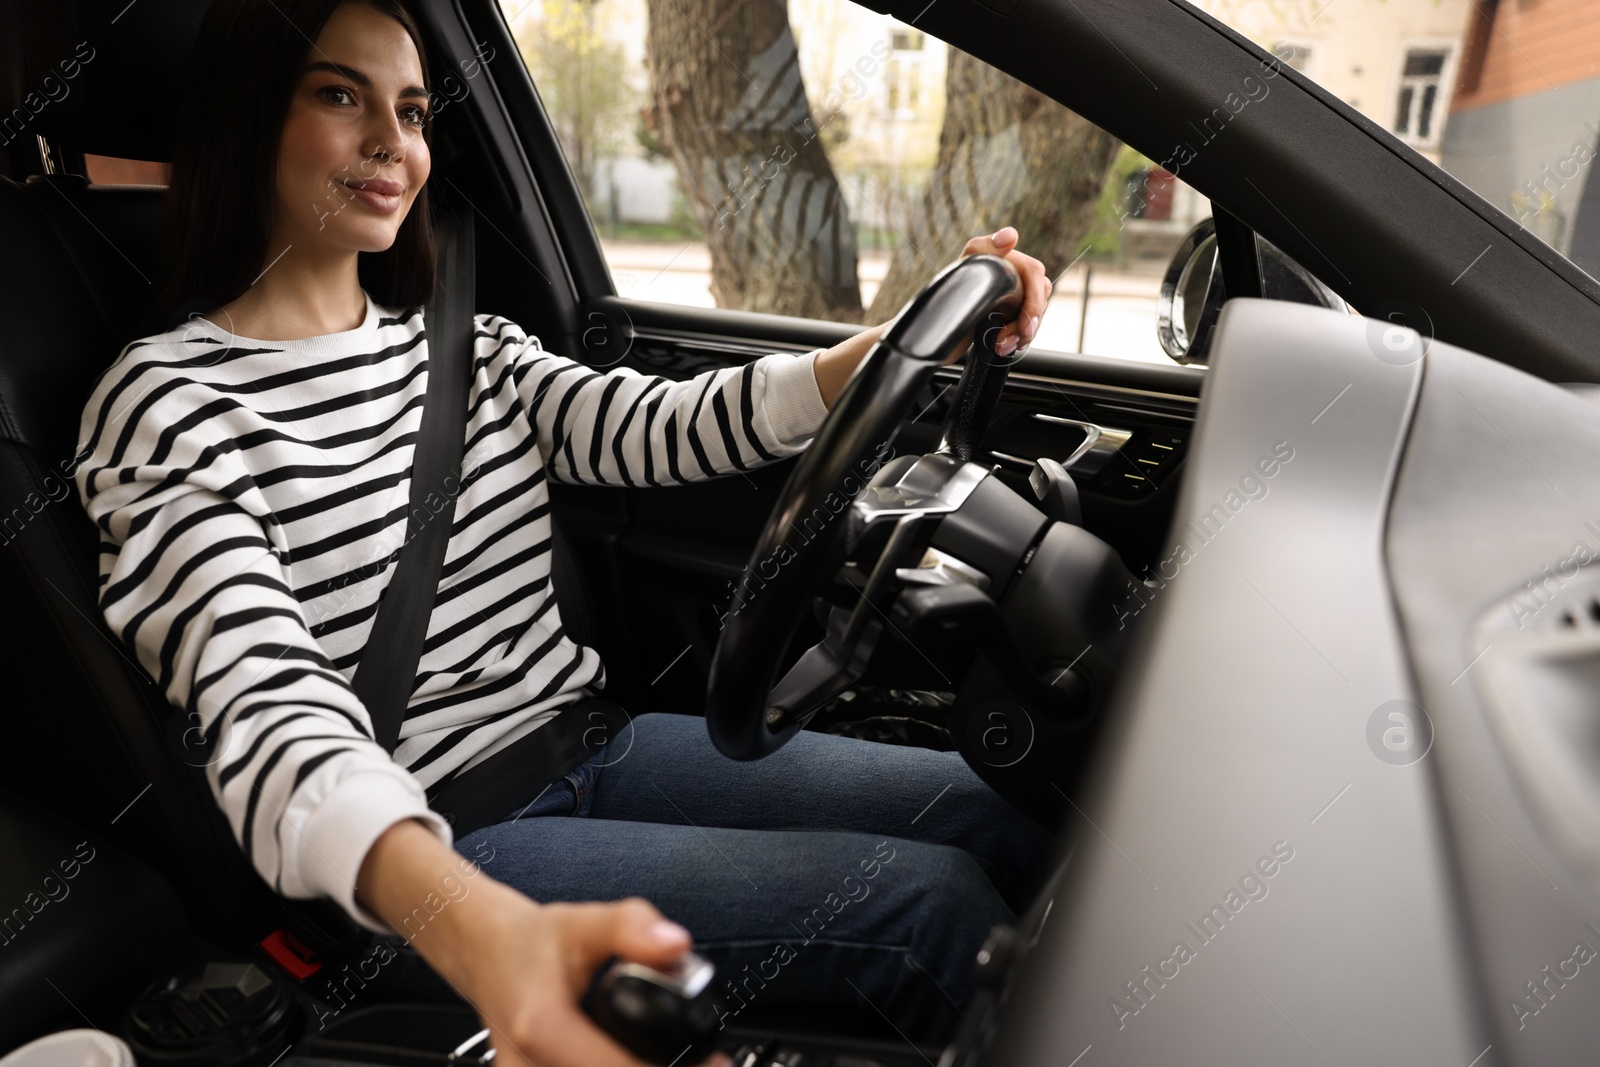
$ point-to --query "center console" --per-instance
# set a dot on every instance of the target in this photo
(409, 1035)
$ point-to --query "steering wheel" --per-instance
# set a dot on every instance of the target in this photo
(837, 491)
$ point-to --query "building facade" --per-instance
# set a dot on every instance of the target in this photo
(1395, 61)
(1525, 118)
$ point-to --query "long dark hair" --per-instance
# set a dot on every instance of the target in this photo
(242, 76)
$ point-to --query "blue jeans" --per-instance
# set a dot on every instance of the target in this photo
(833, 871)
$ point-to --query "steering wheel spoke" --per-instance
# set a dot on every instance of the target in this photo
(825, 670)
(836, 662)
(836, 499)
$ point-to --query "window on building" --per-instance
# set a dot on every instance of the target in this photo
(1419, 93)
(906, 40)
(902, 86)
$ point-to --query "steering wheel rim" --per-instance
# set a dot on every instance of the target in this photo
(787, 568)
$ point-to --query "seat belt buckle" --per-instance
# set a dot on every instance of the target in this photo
(288, 952)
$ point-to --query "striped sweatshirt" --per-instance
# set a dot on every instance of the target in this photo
(252, 496)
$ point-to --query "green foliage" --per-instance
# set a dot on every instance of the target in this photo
(1105, 233)
(654, 148)
(583, 81)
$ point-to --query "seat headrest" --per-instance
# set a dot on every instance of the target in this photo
(104, 76)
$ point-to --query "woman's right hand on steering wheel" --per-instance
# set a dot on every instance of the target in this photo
(522, 965)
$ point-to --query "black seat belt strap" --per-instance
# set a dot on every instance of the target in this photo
(386, 675)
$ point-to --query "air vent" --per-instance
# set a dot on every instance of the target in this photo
(1557, 600)
(1584, 614)
(1535, 658)
(1580, 615)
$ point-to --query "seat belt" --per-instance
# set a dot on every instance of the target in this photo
(387, 672)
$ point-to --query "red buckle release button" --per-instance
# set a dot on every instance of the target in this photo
(291, 955)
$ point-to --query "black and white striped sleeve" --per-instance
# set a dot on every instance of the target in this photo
(621, 427)
(193, 579)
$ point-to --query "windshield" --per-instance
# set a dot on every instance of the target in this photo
(1503, 95)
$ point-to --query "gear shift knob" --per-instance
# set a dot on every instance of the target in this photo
(662, 1017)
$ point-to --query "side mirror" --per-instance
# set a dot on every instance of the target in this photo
(1191, 283)
(1192, 291)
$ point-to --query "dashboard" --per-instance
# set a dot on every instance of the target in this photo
(1346, 805)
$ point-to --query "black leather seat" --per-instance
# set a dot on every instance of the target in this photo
(86, 732)
(85, 728)
(80, 915)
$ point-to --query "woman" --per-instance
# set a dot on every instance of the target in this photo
(248, 470)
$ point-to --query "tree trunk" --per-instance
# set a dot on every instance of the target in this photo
(1007, 155)
(728, 101)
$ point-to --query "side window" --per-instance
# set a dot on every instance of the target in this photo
(1500, 95)
(817, 159)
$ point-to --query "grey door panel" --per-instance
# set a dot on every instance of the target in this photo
(1239, 809)
(1495, 515)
